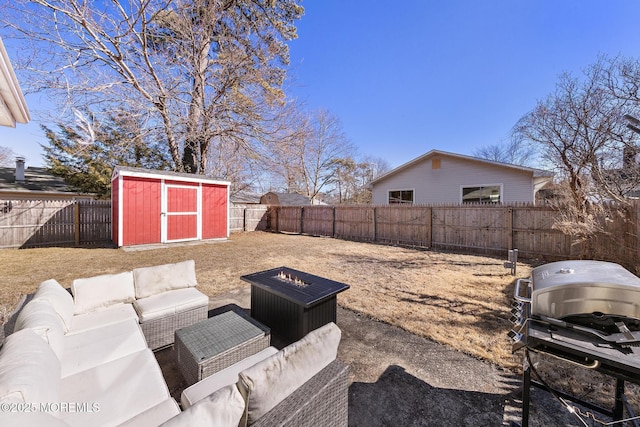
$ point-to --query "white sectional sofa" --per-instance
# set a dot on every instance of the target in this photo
(85, 361)
(162, 298)
(85, 371)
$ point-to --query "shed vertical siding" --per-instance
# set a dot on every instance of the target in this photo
(157, 206)
(141, 213)
(182, 227)
(215, 208)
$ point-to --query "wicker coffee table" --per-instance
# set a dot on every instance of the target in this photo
(216, 343)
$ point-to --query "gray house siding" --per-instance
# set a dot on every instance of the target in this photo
(433, 183)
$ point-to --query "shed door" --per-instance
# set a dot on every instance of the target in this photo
(181, 213)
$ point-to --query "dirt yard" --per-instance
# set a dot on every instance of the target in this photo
(462, 301)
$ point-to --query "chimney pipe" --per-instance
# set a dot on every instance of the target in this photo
(19, 169)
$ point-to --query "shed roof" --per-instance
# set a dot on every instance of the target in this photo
(536, 172)
(176, 176)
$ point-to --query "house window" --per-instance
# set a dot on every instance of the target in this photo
(481, 194)
(401, 197)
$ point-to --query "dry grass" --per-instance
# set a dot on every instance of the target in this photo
(462, 301)
(459, 300)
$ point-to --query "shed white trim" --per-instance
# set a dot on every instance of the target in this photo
(166, 175)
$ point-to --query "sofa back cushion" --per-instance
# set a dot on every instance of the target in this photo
(59, 298)
(269, 382)
(97, 292)
(160, 278)
(29, 370)
(41, 318)
(223, 408)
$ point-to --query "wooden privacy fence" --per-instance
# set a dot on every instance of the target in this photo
(38, 223)
(485, 229)
(41, 223)
(247, 217)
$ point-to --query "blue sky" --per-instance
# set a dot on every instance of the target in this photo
(407, 77)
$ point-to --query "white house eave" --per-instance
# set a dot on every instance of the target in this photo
(448, 154)
(540, 181)
(13, 107)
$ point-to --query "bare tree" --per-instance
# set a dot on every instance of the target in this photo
(514, 151)
(579, 130)
(352, 178)
(7, 156)
(305, 159)
(195, 70)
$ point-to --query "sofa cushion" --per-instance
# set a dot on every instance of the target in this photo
(97, 292)
(41, 318)
(59, 298)
(30, 419)
(223, 378)
(160, 278)
(169, 302)
(269, 382)
(94, 347)
(29, 370)
(97, 319)
(120, 390)
(154, 416)
(224, 408)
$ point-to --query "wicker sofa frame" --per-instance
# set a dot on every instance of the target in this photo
(160, 332)
(321, 401)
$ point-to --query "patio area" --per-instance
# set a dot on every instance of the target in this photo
(397, 378)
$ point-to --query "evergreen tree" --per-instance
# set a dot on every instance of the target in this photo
(85, 157)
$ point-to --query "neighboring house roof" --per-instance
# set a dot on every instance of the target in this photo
(286, 199)
(35, 180)
(13, 107)
(537, 173)
(245, 197)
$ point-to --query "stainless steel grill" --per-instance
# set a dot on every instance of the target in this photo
(598, 298)
(584, 312)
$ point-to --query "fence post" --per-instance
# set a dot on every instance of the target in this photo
(509, 227)
(428, 224)
(301, 219)
(333, 225)
(76, 222)
(375, 224)
(244, 219)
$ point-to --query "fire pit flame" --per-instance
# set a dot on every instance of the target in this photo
(294, 280)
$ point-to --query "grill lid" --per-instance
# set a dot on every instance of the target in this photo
(575, 289)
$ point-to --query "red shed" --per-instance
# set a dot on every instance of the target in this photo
(149, 206)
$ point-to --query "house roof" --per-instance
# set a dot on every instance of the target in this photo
(245, 197)
(13, 107)
(537, 173)
(291, 199)
(35, 179)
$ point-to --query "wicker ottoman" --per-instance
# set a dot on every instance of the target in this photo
(216, 343)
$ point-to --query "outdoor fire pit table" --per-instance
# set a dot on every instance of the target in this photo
(209, 346)
(292, 303)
